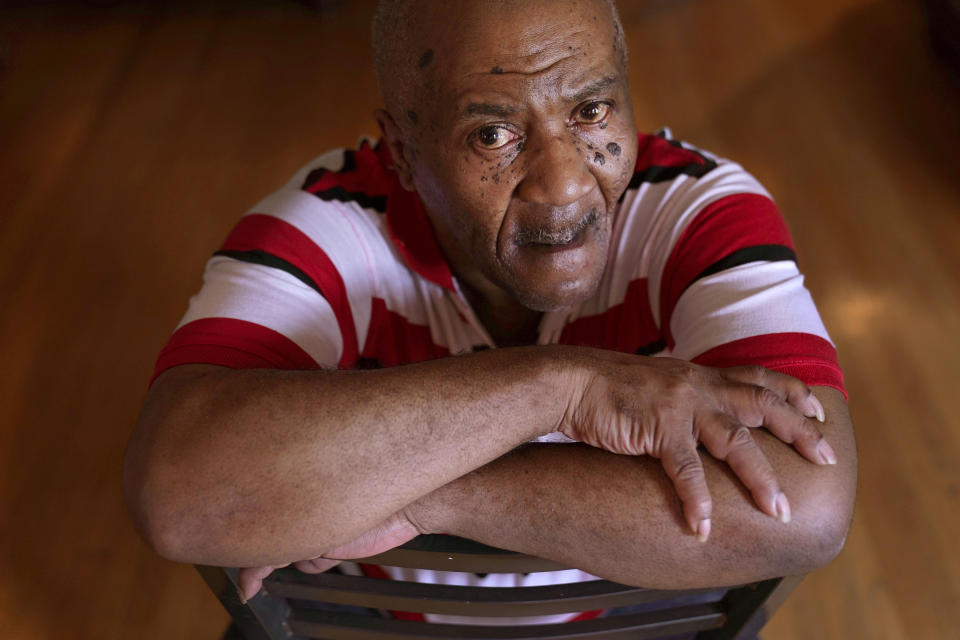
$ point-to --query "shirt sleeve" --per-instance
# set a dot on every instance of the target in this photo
(728, 290)
(275, 294)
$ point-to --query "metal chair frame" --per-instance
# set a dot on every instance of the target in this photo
(277, 612)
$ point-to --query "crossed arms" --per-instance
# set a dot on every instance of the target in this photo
(262, 468)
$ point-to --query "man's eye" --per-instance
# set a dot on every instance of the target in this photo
(493, 137)
(593, 112)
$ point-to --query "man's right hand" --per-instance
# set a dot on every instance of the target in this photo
(664, 407)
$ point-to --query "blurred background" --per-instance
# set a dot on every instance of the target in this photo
(133, 134)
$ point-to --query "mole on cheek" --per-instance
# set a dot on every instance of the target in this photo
(414, 118)
(603, 125)
(496, 178)
(614, 148)
(599, 158)
(426, 58)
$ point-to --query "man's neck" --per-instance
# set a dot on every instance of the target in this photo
(508, 323)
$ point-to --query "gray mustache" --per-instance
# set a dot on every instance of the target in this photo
(543, 235)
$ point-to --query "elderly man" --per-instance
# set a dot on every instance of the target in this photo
(409, 337)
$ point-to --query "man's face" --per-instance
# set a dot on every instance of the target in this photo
(521, 141)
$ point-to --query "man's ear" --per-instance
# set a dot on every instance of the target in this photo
(399, 149)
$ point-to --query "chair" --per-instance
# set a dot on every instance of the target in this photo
(286, 608)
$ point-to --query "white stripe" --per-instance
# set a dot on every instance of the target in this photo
(679, 207)
(326, 224)
(748, 300)
(650, 221)
(272, 298)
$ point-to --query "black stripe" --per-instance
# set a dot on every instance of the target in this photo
(256, 256)
(349, 162)
(654, 347)
(379, 203)
(313, 177)
(679, 145)
(349, 165)
(368, 363)
(757, 253)
(657, 173)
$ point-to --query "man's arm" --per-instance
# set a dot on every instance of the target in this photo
(619, 517)
(241, 468)
(248, 468)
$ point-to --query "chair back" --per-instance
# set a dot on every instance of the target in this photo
(332, 605)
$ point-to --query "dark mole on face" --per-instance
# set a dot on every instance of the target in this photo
(614, 148)
(496, 70)
(599, 158)
(426, 58)
(414, 118)
(603, 125)
(496, 178)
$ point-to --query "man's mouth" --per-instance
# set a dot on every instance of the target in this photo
(549, 240)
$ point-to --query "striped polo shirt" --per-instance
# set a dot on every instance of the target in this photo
(340, 269)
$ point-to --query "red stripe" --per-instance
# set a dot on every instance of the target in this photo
(376, 571)
(393, 340)
(227, 342)
(413, 235)
(804, 356)
(587, 615)
(625, 327)
(282, 239)
(370, 176)
(721, 228)
(657, 151)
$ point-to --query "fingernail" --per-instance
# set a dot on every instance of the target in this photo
(818, 408)
(782, 507)
(243, 599)
(703, 530)
(826, 452)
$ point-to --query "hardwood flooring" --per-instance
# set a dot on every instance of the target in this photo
(132, 136)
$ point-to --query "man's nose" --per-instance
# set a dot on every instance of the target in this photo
(556, 172)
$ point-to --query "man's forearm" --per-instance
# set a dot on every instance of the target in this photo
(619, 517)
(257, 467)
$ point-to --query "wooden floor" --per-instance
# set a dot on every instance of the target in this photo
(132, 137)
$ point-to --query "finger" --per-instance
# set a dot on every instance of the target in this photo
(794, 391)
(316, 565)
(732, 442)
(684, 468)
(250, 580)
(761, 407)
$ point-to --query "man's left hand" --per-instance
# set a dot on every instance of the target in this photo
(396, 530)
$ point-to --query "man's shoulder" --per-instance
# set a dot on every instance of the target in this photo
(363, 176)
(661, 156)
(337, 202)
